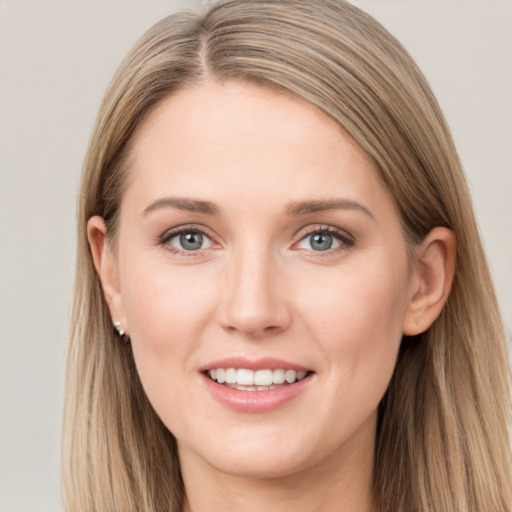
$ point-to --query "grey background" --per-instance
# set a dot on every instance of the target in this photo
(56, 59)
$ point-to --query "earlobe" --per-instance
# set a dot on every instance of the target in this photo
(105, 264)
(431, 280)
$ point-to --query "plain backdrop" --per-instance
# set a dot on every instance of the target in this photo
(56, 59)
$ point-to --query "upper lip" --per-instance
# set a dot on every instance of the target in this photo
(264, 363)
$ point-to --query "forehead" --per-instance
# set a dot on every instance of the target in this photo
(240, 138)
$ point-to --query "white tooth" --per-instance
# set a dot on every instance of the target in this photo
(290, 376)
(278, 376)
(231, 376)
(263, 377)
(245, 377)
(301, 375)
(221, 375)
(262, 388)
(212, 374)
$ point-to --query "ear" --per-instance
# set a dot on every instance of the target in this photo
(106, 268)
(431, 280)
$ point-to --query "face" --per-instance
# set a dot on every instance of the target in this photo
(258, 245)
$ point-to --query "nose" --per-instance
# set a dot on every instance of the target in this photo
(254, 300)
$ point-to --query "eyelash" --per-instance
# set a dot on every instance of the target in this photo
(169, 235)
(346, 241)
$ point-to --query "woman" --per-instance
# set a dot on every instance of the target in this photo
(274, 220)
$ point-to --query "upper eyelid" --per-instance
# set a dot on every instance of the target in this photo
(322, 228)
(172, 232)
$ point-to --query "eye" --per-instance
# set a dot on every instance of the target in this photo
(187, 240)
(325, 239)
(320, 241)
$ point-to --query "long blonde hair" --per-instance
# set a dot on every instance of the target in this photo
(442, 440)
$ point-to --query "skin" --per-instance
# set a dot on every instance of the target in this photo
(258, 288)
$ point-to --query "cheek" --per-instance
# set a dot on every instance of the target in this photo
(357, 328)
(356, 317)
(365, 303)
(166, 310)
(163, 303)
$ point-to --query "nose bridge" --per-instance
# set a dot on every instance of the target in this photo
(254, 301)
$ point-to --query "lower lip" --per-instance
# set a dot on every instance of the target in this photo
(255, 401)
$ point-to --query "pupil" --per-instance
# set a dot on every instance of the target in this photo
(321, 241)
(191, 241)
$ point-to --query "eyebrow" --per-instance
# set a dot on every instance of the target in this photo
(305, 207)
(186, 204)
(294, 209)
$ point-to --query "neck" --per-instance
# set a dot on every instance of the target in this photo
(341, 484)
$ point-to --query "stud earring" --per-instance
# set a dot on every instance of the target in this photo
(120, 333)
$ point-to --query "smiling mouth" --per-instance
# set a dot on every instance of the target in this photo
(243, 379)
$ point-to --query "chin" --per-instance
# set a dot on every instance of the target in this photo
(267, 453)
(261, 465)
